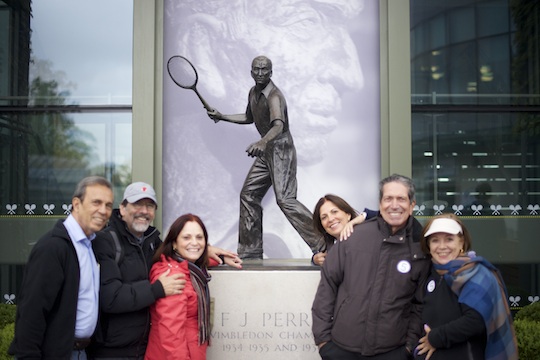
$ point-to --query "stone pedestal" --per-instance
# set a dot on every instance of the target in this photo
(264, 310)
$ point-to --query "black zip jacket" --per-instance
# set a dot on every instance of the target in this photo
(47, 302)
(126, 293)
(457, 330)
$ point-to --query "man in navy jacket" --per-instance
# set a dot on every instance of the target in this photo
(59, 298)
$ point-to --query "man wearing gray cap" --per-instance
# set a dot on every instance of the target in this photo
(124, 250)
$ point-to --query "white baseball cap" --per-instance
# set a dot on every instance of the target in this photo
(444, 225)
(139, 190)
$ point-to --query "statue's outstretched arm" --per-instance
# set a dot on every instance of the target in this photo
(235, 118)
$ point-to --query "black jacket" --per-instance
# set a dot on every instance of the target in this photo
(369, 299)
(47, 302)
(457, 330)
(126, 293)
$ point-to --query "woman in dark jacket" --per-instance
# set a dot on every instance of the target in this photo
(334, 218)
(466, 314)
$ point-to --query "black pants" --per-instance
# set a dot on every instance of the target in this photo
(331, 351)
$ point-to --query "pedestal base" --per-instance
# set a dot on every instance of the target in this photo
(264, 310)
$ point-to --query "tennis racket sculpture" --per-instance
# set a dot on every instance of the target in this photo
(184, 74)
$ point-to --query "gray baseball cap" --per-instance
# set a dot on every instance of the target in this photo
(139, 190)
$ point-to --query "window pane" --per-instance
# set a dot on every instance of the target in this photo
(438, 32)
(463, 73)
(526, 53)
(483, 166)
(4, 46)
(65, 113)
(478, 155)
(493, 18)
(86, 46)
(462, 25)
(494, 72)
(49, 153)
(419, 40)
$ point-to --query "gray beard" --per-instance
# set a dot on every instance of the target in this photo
(141, 228)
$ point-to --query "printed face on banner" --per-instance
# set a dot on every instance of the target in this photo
(325, 57)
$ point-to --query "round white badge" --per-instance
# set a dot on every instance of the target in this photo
(404, 266)
(431, 286)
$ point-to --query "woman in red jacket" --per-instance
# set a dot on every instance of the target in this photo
(181, 323)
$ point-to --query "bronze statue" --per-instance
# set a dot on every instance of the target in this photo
(274, 165)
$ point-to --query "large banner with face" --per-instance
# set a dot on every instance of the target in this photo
(325, 56)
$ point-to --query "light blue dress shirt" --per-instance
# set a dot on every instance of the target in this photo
(88, 302)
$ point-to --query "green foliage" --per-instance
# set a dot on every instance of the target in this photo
(6, 337)
(527, 326)
(7, 314)
(7, 328)
(528, 338)
(530, 312)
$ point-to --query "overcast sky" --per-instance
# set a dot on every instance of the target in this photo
(91, 41)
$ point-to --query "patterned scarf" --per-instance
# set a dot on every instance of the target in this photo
(199, 280)
(478, 284)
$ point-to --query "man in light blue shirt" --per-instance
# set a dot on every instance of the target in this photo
(58, 304)
(88, 303)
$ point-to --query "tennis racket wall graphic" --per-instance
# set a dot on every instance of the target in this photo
(184, 74)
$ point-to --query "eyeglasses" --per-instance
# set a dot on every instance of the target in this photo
(149, 206)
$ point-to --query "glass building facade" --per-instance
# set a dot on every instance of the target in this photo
(475, 71)
(66, 112)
